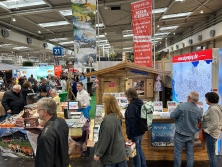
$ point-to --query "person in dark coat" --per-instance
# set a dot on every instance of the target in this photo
(26, 89)
(13, 101)
(52, 143)
(134, 134)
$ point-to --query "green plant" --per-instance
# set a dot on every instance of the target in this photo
(27, 63)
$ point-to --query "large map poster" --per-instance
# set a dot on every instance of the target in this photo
(192, 72)
(84, 26)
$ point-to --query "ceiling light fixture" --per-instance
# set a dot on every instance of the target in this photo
(66, 12)
(127, 35)
(39, 32)
(100, 25)
(201, 11)
(160, 10)
(105, 33)
(105, 7)
(176, 15)
(179, 0)
(13, 4)
(158, 26)
(168, 28)
(13, 19)
(59, 39)
(51, 24)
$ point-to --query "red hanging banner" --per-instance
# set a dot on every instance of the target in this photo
(142, 32)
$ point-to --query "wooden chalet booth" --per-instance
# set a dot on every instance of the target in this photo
(126, 75)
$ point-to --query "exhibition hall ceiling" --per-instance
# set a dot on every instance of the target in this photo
(51, 21)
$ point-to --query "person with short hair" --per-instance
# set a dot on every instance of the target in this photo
(43, 93)
(110, 148)
(186, 115)
(31, 79)
(13, 101)
(212, 125)
(52, 144)
(132, 118)
(44, 85)
(82, 95)
(56, 98)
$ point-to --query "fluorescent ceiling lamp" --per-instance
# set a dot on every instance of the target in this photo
(160, 10)
(100, 25)
(101, 36)
(16, 4)
(51, 24)
(127, 35)
(162, 33)
(66, 12)
(169, 28)
(105, 44)
(66, 43)
(179, 0)
(176, 15)
(59, 39)
(20, 47)
(127, 48)
(102, 41)
(107, 47)
(5, 45)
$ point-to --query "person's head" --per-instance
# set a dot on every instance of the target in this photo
(53, 93)
(131, 94)
(27, 84)
(46, 107)
(79, 86)
(43, 92)
(32, 75)
(211, 98)
(16, 88)
(193, 97)
(35, 82)
(44, 81)
(111, 106)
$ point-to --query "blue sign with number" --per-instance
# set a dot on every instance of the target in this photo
(58, 51)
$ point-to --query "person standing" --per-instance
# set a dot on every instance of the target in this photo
(110, 148)
(13, 101)
(31, 79)
(56, 98)
(132, 118)
(52, 143)
(212, 125)
(187, 115)
(82, 95)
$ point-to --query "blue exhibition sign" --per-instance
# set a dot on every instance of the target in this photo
(58, 51)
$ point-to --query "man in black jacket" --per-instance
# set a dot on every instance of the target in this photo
(52, 143)
(12, 100)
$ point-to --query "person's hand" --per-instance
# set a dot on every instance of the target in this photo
(129, 141)
(82, 105)
(9, 111)
(96, 158)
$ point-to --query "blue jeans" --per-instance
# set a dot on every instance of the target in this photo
(211, 146)
(139, 160)
(179, 142)
(119, 164)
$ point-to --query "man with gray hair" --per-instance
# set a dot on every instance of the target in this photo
(12, 101)
(186, 116)
(52, 143)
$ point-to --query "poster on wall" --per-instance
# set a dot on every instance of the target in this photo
(189, 73)
(44, 71)
(84, 30)
(25, 71)
(142, 32)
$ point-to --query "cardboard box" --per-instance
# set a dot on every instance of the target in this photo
(130, 149)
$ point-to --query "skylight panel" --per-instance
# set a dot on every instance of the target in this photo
(169, 28)
(66, 43)
(66, 12)
(16, 4)
(52, 24)
(160, 10)
(59, 39)
(20, 47)
(176, 15)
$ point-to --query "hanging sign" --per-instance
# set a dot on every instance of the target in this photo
(58, 51)
(142, 32)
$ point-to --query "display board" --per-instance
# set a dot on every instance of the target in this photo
(192, 72)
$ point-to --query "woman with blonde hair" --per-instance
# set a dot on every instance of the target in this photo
(110, 148)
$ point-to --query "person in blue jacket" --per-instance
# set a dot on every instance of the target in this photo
(74, 89)
(134, 134)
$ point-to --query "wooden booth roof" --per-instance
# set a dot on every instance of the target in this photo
(130, 65)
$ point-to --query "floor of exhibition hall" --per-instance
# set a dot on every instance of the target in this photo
(88, 161)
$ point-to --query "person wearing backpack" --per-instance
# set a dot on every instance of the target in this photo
(211, 125)
(132, 120)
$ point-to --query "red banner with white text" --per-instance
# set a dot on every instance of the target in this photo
(194, 56)
(142, 32)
